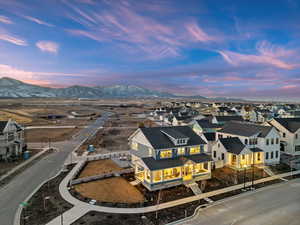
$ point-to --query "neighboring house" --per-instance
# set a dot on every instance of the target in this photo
(266, 138)
(289, 129)
(224, 119)
(168, 156)
(204, 126)
(211, 139)
(234, 153)
(11, 139)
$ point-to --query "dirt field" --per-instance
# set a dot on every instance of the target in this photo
(99, 167)
(55, 135)
(114, 136)
(22, 119)
(115, 189)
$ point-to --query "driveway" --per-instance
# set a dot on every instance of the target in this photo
(26, 182)
(277, 205)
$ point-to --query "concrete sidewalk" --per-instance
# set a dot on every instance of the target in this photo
(81, 208)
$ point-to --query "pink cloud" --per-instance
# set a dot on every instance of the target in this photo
(126, 23)
(198, 34)
(263, 58)
(5, 36)
(38, 21)
(6, 20)
(288, 87)
(48, 46)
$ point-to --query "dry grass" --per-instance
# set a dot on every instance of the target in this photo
(115, 189)
(19, 118)
(55, 135)
(99, 167)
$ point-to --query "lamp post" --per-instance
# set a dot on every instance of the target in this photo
(244, 189)
(252, 185)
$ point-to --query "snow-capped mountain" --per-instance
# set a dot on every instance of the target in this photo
(11, 88)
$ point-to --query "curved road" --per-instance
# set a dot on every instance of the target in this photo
(18, 189)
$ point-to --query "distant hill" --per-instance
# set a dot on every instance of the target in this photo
(11, 88)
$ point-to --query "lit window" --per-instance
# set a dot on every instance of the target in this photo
(166, 154)
(181, 151)
(195, 150)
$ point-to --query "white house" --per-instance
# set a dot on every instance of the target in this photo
(11, 139)
(235, 154)
(266, 138)
(289, 129)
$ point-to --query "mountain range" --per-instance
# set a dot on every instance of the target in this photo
(12, 88)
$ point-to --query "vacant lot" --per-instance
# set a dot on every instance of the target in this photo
(115, 189)
(49, 134)
(99, 167)
(20, 118)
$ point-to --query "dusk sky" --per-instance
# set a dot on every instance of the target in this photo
(239, 48)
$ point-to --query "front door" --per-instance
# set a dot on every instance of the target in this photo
(187, 172)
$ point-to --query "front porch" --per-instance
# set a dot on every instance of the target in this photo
(243, 161)
(169, 177)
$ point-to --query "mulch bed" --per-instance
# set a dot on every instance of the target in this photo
(39, 212)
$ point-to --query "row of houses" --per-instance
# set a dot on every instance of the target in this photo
(171, 155)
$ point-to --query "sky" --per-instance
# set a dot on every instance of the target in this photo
(223, 48)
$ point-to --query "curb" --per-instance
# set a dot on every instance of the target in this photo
(17, 218)
(9, 173)
(216, 203)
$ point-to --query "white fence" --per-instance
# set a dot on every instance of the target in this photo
(86, 159)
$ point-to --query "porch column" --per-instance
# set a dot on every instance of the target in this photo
(181, 172)
(209, 166)
(238, 161)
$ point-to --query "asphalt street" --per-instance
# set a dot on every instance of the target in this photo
(276, 205)
(26, 182)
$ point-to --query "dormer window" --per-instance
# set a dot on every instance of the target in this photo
(175, 136)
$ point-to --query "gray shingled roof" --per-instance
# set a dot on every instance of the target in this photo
(291, 124)
(153, 164)
(206, 124)
(245, 129)
(229, 118)
(3, 125)
(210, 136)
(159, 140)
(232, 145)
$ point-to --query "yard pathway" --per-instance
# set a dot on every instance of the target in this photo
(81, 208)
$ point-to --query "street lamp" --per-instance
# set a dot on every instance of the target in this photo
(244, 189)
(252, 185)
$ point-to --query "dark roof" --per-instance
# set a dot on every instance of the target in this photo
(232, 145)
(210, 136)
(153, 164)
(291, 124)
(229, 118)
(159, 140)
(3, 125)
(256, 149)
(173, 133)
(206, 124)
(245, 129)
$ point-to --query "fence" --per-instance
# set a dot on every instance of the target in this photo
(101, 176)
(86, 159)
